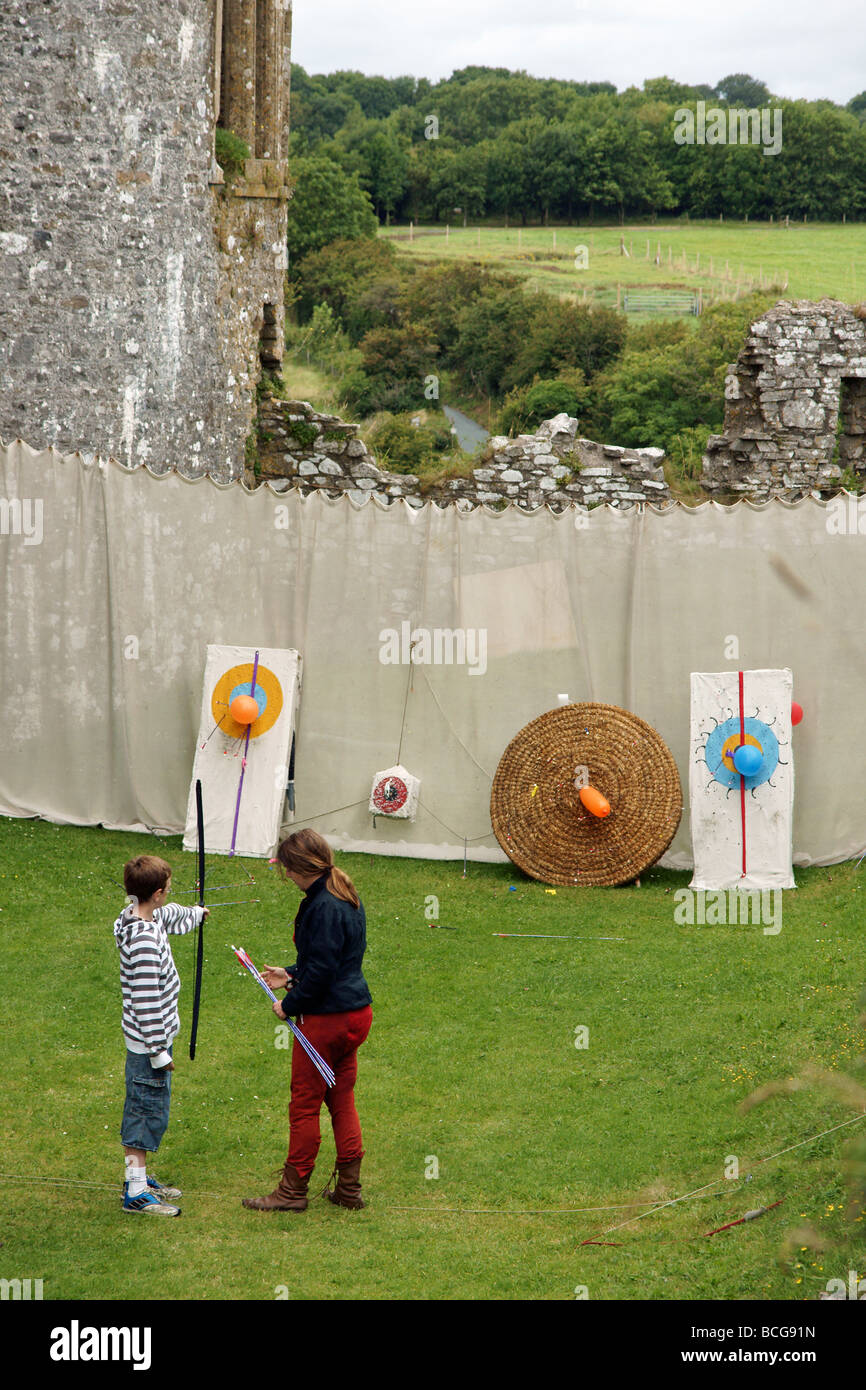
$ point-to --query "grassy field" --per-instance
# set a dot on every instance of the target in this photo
(306, 382)
(471, 1069)
(723, 260)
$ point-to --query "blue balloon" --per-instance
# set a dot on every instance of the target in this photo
(747, 759)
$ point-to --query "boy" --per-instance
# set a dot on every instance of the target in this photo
(150, 986)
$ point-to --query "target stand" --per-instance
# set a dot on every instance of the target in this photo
(742, 821)
(244, 768)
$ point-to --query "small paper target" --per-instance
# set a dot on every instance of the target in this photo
(390, 794)
(395, 793)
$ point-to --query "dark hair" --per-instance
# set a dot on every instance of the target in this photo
(144, 876)
(308, 853)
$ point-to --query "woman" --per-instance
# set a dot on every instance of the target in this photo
(328, 993)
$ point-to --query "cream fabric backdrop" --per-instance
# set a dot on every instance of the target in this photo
(106, 624)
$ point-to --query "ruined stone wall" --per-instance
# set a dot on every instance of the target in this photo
(800, 376)
(553, 467)
(133, 279)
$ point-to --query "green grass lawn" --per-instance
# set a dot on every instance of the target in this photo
(813, 259)
(471, 1062)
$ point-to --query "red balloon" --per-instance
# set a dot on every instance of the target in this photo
(796, 713)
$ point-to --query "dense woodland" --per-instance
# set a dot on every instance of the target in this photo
(504, 145)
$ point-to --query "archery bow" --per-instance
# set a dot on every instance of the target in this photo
(199, 959)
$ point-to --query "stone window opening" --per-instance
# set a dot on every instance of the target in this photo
(270, 345)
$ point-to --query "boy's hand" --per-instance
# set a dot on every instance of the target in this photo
(206, 912)
(170, 1067)
(278, 1010)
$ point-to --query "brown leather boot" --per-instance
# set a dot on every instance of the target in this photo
(347, 1193)
(289, 1195)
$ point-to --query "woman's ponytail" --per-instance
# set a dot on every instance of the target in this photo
(308, 853)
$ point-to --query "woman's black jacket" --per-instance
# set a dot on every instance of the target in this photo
(330, 937)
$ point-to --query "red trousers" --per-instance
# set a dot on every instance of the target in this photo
(337, 1037)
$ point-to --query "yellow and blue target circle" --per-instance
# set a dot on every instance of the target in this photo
(724, 741)
(268, 696)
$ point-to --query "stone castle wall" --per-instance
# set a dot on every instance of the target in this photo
(553, 467)
(139, 290)
(799, 379)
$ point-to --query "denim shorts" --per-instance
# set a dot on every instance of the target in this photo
(145, 1112)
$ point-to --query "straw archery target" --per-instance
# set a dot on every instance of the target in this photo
(741, 825)
(244, 779)
(535, 806)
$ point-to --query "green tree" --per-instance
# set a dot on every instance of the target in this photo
(459, 180)
(402, 447)
(326, 203)
(381, 161)
(670, 378)
(560, 335)
(490, 331)
(857, 106)
(341, 273)
(525, 407)
(395, 362)
(509, 175)
(555, 160)
(436, 296)
(739, 89)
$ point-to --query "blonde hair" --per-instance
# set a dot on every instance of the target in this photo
(308, 853)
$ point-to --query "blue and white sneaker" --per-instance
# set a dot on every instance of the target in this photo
(150, 1204)
(158, 1189)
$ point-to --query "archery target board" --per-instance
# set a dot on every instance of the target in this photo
(540, 819)
(395, 794)
(244, 805)
(742, 826)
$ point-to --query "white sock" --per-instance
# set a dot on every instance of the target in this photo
(136, 1176)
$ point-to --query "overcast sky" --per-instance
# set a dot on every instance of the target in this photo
(800, 48)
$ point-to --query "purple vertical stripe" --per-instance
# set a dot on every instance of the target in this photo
(244, 762)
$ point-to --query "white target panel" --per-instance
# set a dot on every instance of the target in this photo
(244, 750)
(742, 804)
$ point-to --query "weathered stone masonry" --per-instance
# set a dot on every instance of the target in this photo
(801, 373)
(140, 292)
(554, 467)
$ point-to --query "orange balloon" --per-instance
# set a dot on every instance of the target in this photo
(595, 803)
(243, 709)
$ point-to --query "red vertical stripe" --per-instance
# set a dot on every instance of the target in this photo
(742, 778)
